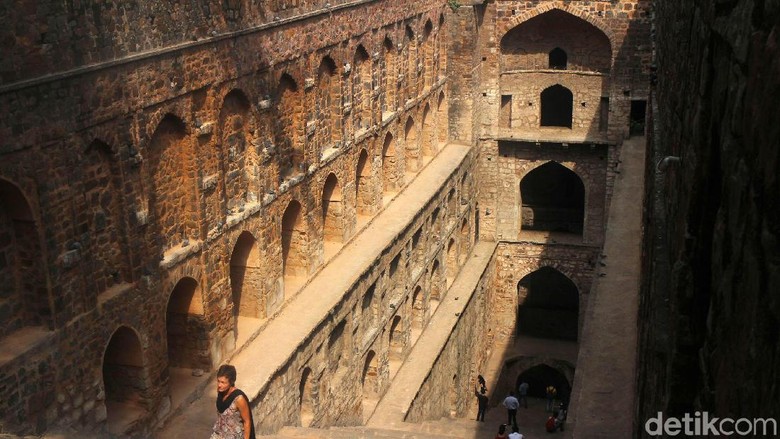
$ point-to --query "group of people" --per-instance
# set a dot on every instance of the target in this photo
(234, 417)
(512, 403)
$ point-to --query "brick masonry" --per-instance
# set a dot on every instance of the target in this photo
(166, 169)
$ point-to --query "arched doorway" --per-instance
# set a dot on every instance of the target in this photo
(186, 332)
(418, 313)
(306, 398)
(370, 382)
(436, 286)
(396, 345)
(557, 107)
(557, 59)
(332, 216)
(125, 381)
(23, 273)
(288, 128)
(548, 305)
(553, 199)
(363, 206)
(539, 377)
(452, 261)
(246, 282)
(428, 133)
(390, 181)
(294, 244)
(328, 105)
(412, 156)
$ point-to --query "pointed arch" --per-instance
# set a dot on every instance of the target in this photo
(528, 43)
(172, 197)
(429, 143)
(125, 380)
(389, 80)
(361, 89)
(412, 151)
(306, 398)
(557, 107)
(294, 244)
(246, 280)
(548, 305)
(289, 127)
(390, 180)
(363, 184)
(235, 130)
(328, 105)
(23, 273)
(102, 204)
(552, 199)
(332, 210)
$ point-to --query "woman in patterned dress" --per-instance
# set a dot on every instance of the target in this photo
(234, 418)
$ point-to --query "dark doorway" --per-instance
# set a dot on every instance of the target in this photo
(558, 59)
(557, 102)
(541, 376)
(549, 305)
(637, 118)
(553, 199)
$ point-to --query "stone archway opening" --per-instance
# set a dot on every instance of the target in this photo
(418, 313)
(294, 245)
(429, 143)
(412, 156)
(364, 206)
(539, 377)
(125, 381)
(442, 121)
(306, 398)
(452, 261)
(328, 106)
(557, 107)
(390, 181)
(435, 288)
(250, 304)
(548, 305)
(187, 337)
(288, 128)
(332, 216)
(557, 59)
(26, 297)
(395, 345)
(553, 199)
(370, 382)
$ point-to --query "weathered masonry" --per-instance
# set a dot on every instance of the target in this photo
(173, 176)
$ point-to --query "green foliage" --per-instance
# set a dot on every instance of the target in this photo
(453, 4)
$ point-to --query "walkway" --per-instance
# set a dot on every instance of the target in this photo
(604, 387)
(392, 409)
(280, 339)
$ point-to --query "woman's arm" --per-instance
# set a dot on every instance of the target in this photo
(243, 408)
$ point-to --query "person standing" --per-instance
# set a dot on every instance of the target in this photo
(234, 417)
(482, 402)
(511, 404)
(550, 392)
(522, 391)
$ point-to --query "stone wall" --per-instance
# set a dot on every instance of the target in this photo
(514, 261)
(604, 79)
(517, 159)
(139, 167)
(710, 306)
(448, 388)
(378, 319)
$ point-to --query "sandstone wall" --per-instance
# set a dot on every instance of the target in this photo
(461, 359)
(514, 72)
(709, 309)
(143, 168)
